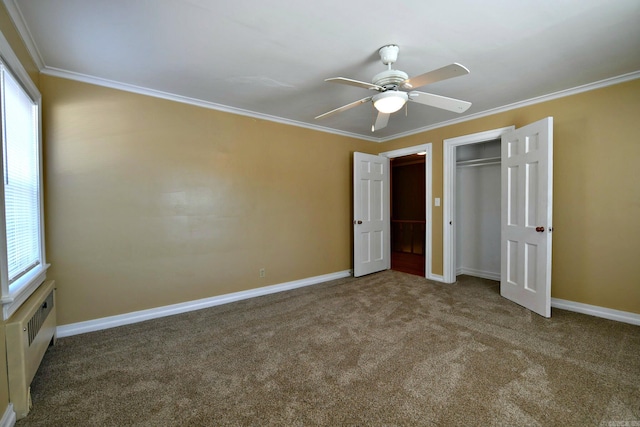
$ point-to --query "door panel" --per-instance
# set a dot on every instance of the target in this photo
(527, 216)
(371, 248)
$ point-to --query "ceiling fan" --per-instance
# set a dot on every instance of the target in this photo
(390, 98)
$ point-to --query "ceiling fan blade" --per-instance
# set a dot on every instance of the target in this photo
(438, 101)
(351, 82)
(344, 107)
(381, 121)
(452, 70)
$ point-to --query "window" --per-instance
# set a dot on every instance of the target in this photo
(22, 262)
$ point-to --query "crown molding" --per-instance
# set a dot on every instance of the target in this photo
(211, 105)
(520, 104)
(11, 60)
(193, 101)
(23, 30)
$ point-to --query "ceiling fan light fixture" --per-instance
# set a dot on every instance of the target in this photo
(391, 86)
(390, 101)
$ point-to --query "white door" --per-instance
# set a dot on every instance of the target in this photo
(527, 171)
(371, 222)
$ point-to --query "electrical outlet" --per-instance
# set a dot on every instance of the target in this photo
(262, 272)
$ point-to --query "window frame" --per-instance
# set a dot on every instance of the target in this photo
(12, 300)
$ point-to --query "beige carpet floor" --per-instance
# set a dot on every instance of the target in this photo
(383, 350)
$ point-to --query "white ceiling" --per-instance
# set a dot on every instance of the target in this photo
(270, 58)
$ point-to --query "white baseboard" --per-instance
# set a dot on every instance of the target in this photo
(9, 417)
(169, 310)
(478, 273)
(594, 310)
(140, 316)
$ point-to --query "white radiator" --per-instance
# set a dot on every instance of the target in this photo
(28, 333)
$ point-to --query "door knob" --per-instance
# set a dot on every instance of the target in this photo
(357, 222)
(540, 229)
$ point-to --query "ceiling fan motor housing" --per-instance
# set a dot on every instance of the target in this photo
(390, 79)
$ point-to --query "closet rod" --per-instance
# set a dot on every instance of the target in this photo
(479, 162)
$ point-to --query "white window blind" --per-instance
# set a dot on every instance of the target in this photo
(21, 179)
(23, 265)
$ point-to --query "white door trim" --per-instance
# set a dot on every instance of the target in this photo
(428, 163)
(449, 195)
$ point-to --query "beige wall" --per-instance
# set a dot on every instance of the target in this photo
(11, 34)
(596, 239)
(151, 202)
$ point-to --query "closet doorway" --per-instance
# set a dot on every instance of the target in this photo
(471, 163)
(477, 210)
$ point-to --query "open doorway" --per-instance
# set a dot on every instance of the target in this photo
(421, 234)
(408, 214)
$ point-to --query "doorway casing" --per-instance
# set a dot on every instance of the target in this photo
(428, 162)
(449, 205)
